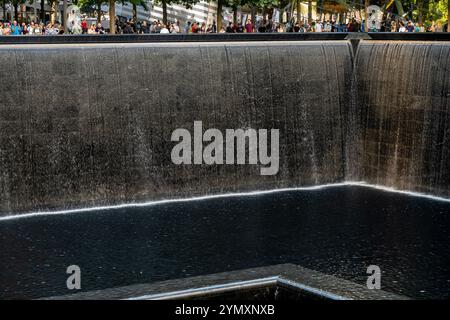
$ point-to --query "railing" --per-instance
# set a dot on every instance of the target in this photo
(221, 37)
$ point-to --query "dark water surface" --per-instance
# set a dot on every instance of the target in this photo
(337, 231)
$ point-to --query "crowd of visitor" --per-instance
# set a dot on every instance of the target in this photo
(143, 27)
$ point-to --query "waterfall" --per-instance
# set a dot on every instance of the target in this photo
(91, 125)
(403, 104)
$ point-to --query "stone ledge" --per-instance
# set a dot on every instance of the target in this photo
(330, 286)
(222, 37)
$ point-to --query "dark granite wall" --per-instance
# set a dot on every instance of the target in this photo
(91, 125)
(402, 116)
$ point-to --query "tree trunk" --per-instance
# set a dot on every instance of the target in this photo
(309, 11)
(366, 26)
(420, 11)
(234, 14)
(164, 7)
(399, 6)
(134, 12)
(64, 18)
(112, 16)
(16, 12)
(319, 8)
(219, 15)
(99, 13)
(299, 9)
(22, 13)
(253, 18)
(4, 11)
(42, 11)
(448, 16)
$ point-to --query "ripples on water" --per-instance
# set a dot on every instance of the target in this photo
(337, 231)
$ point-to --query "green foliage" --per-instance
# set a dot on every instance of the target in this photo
(186, 3)
(87, 5)
(16, 2)
(139, 3)
(263, 3)
(429, 10)
(440, 12)
(260, 4)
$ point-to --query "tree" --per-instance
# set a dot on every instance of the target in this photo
(309, 11)
(3, 4)
(420, 11)
(98, 5)
(235, 4)
(16, 4)
(135, 4)
(366, 25)
(219, 15)
(112, 16)
(88, 5)
(42, 11)
(165, 3)
(399, 6)
(64, 19)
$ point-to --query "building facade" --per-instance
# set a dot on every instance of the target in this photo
(200, 12)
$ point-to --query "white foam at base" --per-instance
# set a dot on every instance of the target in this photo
(224, 195)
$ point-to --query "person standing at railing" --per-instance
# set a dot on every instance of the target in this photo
(16, 30)
(230, 28)
(84, 26)
(318, 26)
(410, 26)
(164, 30)
(249, 28)
(24, 28)
(393, 26)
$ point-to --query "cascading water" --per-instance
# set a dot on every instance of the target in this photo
(86, 126)
(93, 125)
(403, 106)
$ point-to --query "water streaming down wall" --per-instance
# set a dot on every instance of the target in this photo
(84, 126)
(402, 116)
